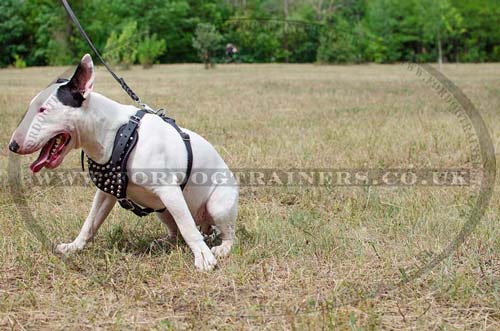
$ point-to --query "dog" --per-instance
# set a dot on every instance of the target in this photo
(70, 115)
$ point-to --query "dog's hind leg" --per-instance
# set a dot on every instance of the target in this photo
(166, 218)
(101, 206)
(173, 199)
(222, 208)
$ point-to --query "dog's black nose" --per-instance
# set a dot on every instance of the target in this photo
(14, 147)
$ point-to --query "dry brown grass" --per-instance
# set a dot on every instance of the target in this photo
(307, 258)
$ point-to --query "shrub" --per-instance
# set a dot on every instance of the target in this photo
(496, 53)
(19, 62)
(206, 41)
(338, 44)
(149, 49)
(111, 51)
(122, 49)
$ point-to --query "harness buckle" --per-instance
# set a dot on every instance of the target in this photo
(136, 209)
(135, 119)
(126, 204)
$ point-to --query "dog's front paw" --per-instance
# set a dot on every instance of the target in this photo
(205, 260)
(66, 249)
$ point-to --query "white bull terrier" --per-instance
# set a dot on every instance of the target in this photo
(69, 115)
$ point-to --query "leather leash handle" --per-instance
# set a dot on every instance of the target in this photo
(120, 81)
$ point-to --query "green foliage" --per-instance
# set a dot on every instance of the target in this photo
(339, 44)
(149, 49)
(123, 48)
(340, 31)
(395, 30)
(482, 33)
(443, 23)
(49, 33)
(19, 62)
(496, 53)
(207, 40)
(12, 31)
(257, 41)
(112, 50)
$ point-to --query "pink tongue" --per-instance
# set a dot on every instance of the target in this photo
(42, 158)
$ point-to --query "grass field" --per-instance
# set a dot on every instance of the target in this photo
(307, 257)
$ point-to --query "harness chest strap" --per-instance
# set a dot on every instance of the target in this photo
(112, 177)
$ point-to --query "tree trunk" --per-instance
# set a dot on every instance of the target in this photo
(206, 58)
(440, 52)
(285, 34)
(319, 10)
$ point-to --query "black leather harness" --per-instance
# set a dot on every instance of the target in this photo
(112, 177)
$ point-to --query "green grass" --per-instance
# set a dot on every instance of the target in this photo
(306, 258)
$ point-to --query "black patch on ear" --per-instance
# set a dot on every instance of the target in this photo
(61, 80)
(70, 96)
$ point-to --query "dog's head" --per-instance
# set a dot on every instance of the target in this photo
(49, 123)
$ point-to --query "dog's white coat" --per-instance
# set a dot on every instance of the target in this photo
(93, 127)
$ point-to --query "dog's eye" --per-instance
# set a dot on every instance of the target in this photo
(42, 109)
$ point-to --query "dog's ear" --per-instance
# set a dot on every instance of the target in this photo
(83, 78)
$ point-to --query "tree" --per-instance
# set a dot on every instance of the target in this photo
(303, 36)
(285, 32)
(39, 32)
(149, 49)
(49, 32)
(12, 31)
(481, 19)
(395, 30)
(207, 41)
(122, 49)
(342, 37)
(441, 21)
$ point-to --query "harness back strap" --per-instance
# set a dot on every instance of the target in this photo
(187, 143)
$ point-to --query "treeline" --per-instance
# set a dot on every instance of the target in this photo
(37, 32)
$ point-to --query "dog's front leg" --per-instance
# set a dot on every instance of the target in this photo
(174, 201)
(101, 206)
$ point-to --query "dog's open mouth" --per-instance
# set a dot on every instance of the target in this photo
(51, 154)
